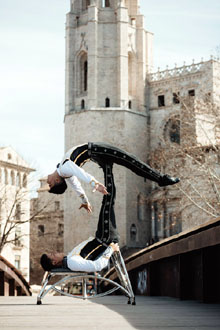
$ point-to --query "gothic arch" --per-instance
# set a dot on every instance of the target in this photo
(171, 130)
(107, 102)
(82, 104)
(82, 72)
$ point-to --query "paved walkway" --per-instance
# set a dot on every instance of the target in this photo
(150, 313)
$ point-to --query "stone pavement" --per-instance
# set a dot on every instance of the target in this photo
(150, 313)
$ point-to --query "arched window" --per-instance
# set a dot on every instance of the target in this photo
(133, 232)
(83, 104)
(107, 102)
(85, 75)
(40, 230)
(83, 70)
(24, 183)
(130, 105)
(172, 130)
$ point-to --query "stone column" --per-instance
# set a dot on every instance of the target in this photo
(122, 53)
(70, 88)
(92, 55)
(141, 62)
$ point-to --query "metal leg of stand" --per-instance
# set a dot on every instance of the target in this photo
(84, 288)
(122, 273)
(44, 283)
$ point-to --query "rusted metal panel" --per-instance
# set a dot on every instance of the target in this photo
(211, 274)
(197, 241)
(191, 272)
(185, 266)
(11, 287)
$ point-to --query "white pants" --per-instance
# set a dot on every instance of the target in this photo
(78, 264)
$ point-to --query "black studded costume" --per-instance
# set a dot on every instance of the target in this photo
(106, 156)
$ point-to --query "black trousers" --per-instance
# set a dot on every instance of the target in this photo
(105, 156)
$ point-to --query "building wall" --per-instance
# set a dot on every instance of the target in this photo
(199, 134)
(46, 229)
(15, 207)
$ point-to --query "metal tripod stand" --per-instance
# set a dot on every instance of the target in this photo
(122, 273)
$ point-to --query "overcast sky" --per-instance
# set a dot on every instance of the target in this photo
(32, 58)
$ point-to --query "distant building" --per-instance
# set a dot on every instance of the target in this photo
(46, 228)
(14, 209)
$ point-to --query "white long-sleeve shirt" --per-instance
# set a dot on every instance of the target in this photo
(76, 263)
(72, 172)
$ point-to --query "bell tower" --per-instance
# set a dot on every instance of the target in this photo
(108, 54)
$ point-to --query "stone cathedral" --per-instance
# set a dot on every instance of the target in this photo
(112, 96)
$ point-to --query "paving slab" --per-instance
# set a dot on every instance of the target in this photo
(150, 313)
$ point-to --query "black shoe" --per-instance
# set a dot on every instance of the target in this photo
(167, 180)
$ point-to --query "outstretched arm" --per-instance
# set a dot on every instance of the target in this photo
(68, 169)
(76, 185)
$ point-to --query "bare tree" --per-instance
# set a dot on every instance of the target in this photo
(13, 216)
(189, 148)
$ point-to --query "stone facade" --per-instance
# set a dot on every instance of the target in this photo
(46, 229)
(15, 209)
(113, 96)
(197, 87)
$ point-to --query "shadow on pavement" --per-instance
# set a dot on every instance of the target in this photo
(163, 313)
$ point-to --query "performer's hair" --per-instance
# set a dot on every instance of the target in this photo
(59, 188)
(46, 262)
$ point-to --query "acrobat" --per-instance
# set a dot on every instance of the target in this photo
(105, 155)
(74, 260)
